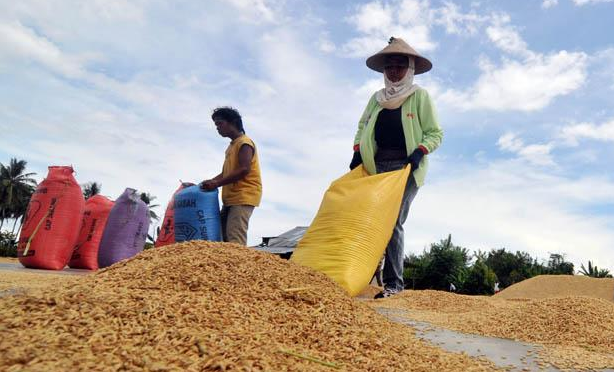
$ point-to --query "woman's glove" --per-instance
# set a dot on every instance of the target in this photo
(415, 158)
(356, 160)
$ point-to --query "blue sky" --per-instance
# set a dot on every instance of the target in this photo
(123, 91)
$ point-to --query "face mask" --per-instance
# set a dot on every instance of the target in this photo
(394, 88)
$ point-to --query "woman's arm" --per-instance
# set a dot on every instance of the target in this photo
(432, 134)
(362, 123)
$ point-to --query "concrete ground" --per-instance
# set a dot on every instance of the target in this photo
(517, 356)
(10, 270)
(509, 354)
(17, 267)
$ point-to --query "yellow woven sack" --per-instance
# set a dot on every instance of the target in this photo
(348, 236)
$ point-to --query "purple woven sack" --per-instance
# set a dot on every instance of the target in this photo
(126, 230)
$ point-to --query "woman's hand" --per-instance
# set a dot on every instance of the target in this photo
(415, 158)
(356, 160)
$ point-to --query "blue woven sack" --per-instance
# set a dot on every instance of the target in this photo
(197, 215)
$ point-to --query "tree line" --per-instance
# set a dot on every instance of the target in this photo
(445, 266)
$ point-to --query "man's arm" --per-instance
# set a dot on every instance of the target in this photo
(246, 154)
(209, 184)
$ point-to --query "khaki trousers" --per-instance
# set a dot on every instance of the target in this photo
(235, 221)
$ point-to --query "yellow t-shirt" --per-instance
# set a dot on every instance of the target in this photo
(247, 191)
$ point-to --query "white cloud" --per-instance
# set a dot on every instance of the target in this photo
(522, 85)
(546, 4)
(256, 11)
(368, 88)
(585, 2)
(513, 205)
(573, 134)
(536, 154)
(113, 17)
(22, 43)
(456, 22)
(414, 13)
(506, 37)
(116, 9)
(378, 20)
(602, 61)
(510, 142)
(325, 45)
(524, 80)
(372, 17)
(363, 46)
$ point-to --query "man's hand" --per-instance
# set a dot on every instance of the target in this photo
(415, 158)
(209, 185)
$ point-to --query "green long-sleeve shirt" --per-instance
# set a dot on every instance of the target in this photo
(420, 126)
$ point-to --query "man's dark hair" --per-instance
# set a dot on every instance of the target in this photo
(229, 114)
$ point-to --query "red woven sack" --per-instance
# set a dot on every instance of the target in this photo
(52, 222)
(167, 230)
(85, 255)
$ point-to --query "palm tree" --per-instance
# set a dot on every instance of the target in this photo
(147, 198)
(594, 271)
(90, 189)
(19, 212)
(16, 188)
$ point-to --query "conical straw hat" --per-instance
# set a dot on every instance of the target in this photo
(399, 47)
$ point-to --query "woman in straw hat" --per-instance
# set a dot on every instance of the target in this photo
(398, 127)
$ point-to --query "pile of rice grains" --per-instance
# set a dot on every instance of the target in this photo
(207, 306)
(576, 332)
(550, 286)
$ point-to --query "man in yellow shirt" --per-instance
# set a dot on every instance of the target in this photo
(240, 178)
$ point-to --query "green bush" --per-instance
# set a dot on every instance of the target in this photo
(480, 280)
(8, 244)
(436, 268)
(444, 263)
